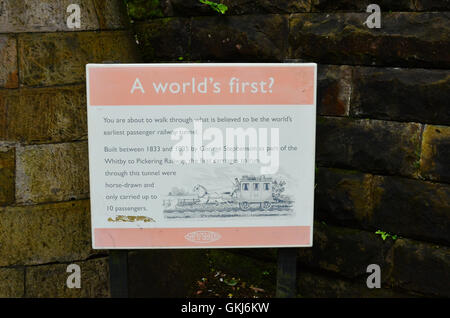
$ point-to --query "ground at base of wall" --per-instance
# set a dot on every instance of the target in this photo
(219, 282)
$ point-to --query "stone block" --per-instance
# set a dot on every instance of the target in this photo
(414, 95)
(164, 39)
(334, 87)
(421, 267)
(39, 115)
(404, 39)
(239, 38)
(7, 175)
(44, 15)
(48, 59)
(50, 281)
(368, 145)
(345, 252)
(39, 234)
(52, 172)
(9, 75)
(11, 282)
(435, 155)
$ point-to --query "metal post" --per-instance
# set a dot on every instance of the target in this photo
(118, 273)
(286, 273)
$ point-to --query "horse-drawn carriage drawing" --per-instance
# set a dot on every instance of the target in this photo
(249, 193)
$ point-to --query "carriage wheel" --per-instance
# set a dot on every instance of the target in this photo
(266, 205)
(244, 206)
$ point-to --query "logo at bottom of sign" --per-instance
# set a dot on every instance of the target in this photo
(202, 236)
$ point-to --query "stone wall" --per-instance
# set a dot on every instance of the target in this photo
(44, 185)
(383, 139)
(383, 127)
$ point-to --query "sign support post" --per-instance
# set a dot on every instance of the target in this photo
(286, 273)
(118, 273)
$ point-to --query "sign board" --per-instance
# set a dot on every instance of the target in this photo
(201, 155)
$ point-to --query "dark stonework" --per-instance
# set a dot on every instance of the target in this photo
(164, 39)
(404, 39)
(432, 5)
(345, 252)
(334, 88)
(406, 207)
(417, 95)
(239, 38)
(361, 5)
(421, 267)
(165, 273)
(435, 156)
(368, 145)
(318, 286)
(411, 208)
(235, 7)
(342, 197)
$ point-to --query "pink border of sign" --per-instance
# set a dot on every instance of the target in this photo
(272, 236)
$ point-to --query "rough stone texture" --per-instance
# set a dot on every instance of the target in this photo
(51, 280)
(368, 145)
(43, 114)
(331, 248)
(411, 208)
(8, 61)
(334, 89)
(431, 5)
(240, 7)
(7, 168)
(343, 197)
(144, 9)
(139, 10)
(317, 286)
(164, 39)
(435, 156)
(408, 94)
(55, 172)
(60, 58)
(11, 282)
(410, 39)
(148, 9)
(112, 14)
(239, 38)
(361, 5)
(44, 15)
(165, 273)
(421, 267)
(45, 233)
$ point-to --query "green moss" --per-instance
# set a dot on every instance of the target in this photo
(218, 7)
(144, 9)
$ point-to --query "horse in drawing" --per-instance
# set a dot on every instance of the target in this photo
(210, 197)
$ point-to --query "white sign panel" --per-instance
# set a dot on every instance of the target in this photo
(201, 155)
